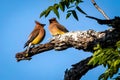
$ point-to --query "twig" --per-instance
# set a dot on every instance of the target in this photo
(100, 10)
(115, 23)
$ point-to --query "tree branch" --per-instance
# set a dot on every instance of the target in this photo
(84, 40)
(115, 23)
(99, 9)
(78, 70)
(33, 51)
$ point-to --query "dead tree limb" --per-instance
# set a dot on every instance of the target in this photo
(33, 51)
(115, 23)
(78, 70)
(84, 40)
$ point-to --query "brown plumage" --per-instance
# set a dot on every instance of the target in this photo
(55, 28)
(36, 36)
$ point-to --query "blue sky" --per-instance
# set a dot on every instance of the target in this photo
(17, 21)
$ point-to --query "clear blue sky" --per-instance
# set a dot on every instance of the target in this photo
(17, 21)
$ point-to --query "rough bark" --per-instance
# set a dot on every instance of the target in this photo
(78, 70)
(84, 40)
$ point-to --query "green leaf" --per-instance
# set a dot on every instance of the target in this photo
(56, 12)
(77, 2)
(118, 44)
(48, 11)
(62, 6)
(56, 6)
(97, 47)
(96, 53)
(72, 1)
(67, 3)
(75, 15)
(91, 61)
(69, 11)
(80, 10)
(68, 15)
(42, 13)
(116, 63)
(95, 61)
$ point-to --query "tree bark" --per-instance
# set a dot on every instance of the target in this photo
(84, 40)
(78, 70)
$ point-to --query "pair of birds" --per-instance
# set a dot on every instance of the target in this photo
(38, 34)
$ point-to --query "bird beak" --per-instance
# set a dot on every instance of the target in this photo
(43, 24)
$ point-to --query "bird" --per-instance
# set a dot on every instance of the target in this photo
(56, 28)
(36, 36)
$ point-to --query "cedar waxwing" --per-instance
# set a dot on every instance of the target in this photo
(36, 35)
(55, 28)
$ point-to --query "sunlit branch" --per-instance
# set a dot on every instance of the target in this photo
(100, 10)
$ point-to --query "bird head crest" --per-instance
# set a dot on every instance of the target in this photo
(39, 23)
(52, 20)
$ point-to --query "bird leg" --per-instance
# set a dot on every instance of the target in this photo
(28, 49)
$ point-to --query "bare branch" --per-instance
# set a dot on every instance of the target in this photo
(78, 70)
(84, 40)
(99, 9)
(115, 23)
(33, 51)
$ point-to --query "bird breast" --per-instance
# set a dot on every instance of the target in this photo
(54, 30)
(39, 37)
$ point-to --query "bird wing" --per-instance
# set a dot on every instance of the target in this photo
(32, 36)
(62, 28)
(44, 33)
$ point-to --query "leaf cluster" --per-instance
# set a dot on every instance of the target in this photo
(109, 58)
(70, 5)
